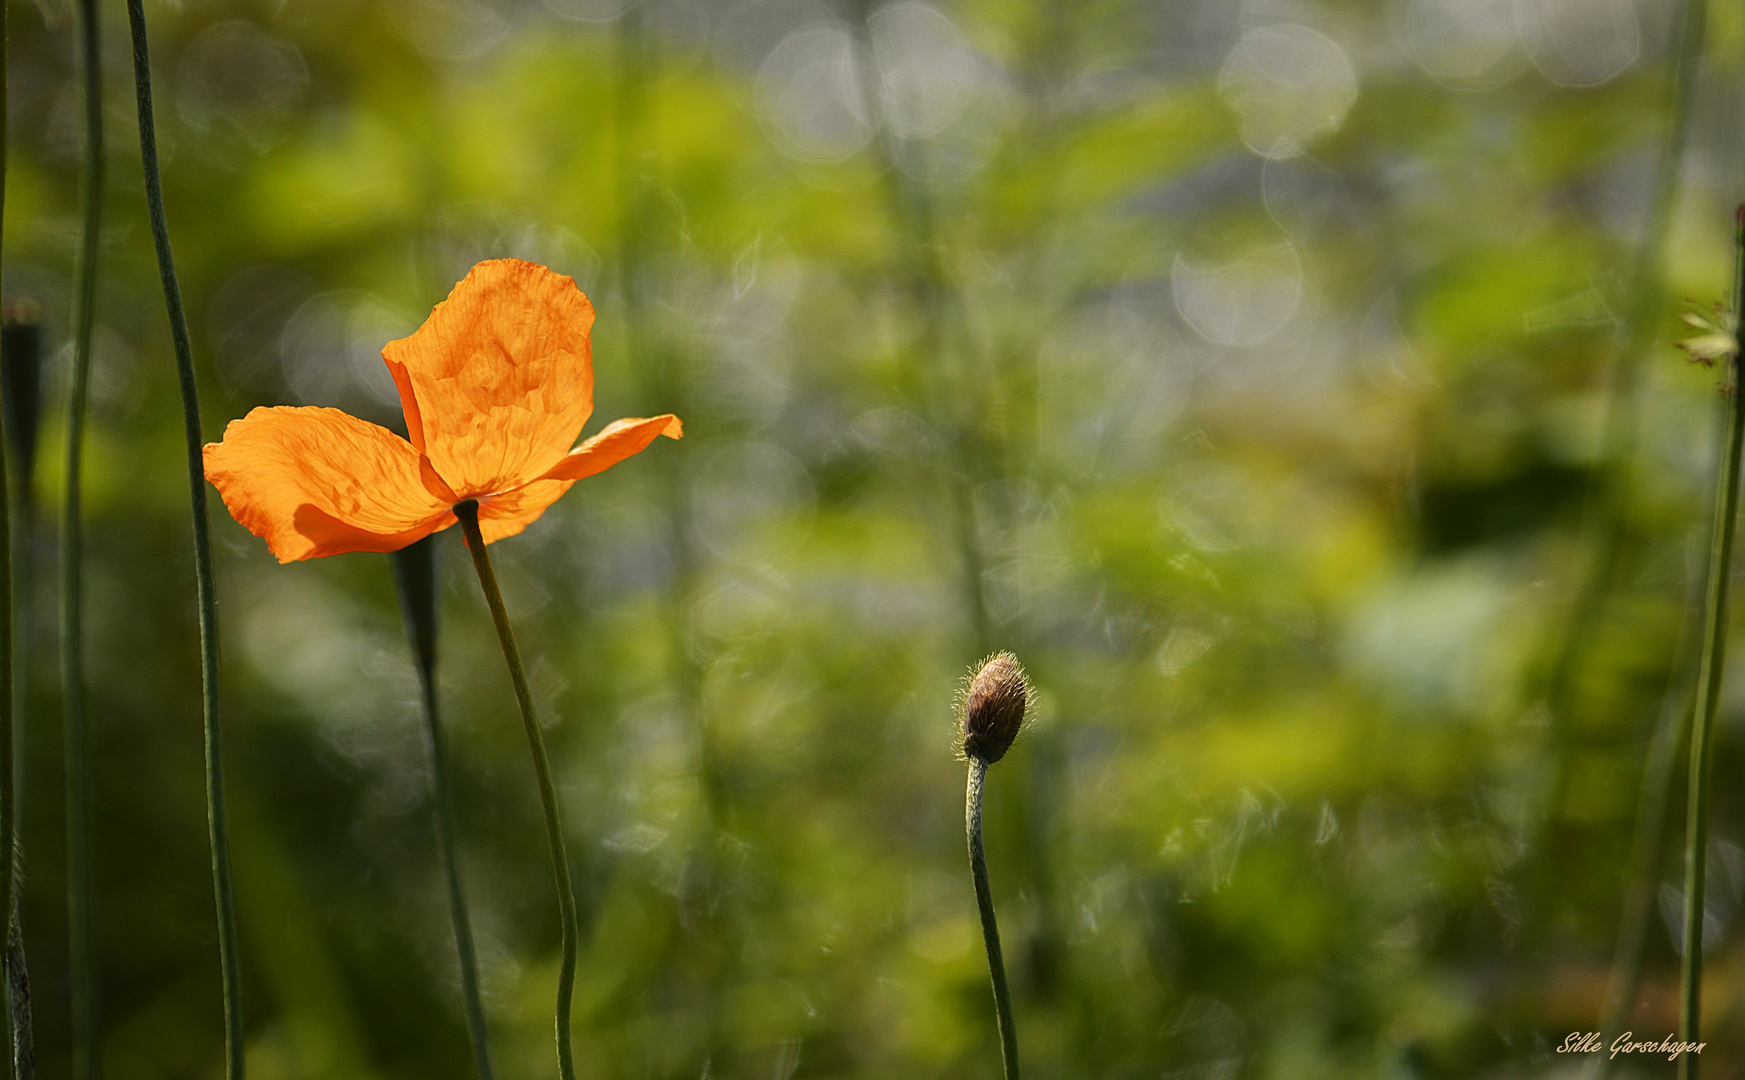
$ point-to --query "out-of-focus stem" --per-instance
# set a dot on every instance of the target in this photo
(91, 172)
(653, 361)
(1713, 663)
(21, 405)
(1644, 298)
(217, 824)
(415, 580)
(8, 804)
(978, 868)
(642, 224)
(1648, 838)
(21, 376)
(468, 513)
(912, 214)
(1632, 344)
(1647, 845)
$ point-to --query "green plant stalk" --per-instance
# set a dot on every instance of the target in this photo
(952, 407)
(442, 804)
(418, 600)
(17, 986)
(468, 513)
(1631, 346)
(218, 828)
(1648, 838)
(1641, 324)
(8, 806)
(978, 868)
(1647, 845)
(1709, 674)
(91, 174)
(643, 222)
(1648, 841)
(17, 969)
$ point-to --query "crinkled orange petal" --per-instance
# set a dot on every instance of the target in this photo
(509, 512)
(314, 482)
(499, 380)
(615, 442)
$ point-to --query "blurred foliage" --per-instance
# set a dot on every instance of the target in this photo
(1242, 367)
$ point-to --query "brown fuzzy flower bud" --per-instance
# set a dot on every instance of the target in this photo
(994, 702)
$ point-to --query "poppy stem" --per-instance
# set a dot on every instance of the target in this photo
(217, 824)
(91, 175)
(415, 579)
(468, 513)
(1696, 837)
(978, 868)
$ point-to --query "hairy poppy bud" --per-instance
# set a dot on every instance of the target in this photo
(994, 703)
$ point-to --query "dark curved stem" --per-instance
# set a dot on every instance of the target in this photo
(415, 576)
(978, 868)
(468, 512)
(91, 173)
(1714, 657)
(217, 824)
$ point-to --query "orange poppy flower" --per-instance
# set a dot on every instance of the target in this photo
(496, 386)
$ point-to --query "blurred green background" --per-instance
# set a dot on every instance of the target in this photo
(1258, 372)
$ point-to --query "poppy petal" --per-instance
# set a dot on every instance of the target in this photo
(615, 442)
(314, 482)
(509, 512)
(499, 380)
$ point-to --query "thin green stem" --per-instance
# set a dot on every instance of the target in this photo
(442, 805)
(17, 968)
(951, 393)
(1648, 841)
(20, 377)
(91, 173)
(1709, 674)
(644, 228)
(8, 807)
(468, 513)
(1648, 838)
(1644, 303)
(1647, 846)
(415, 577)
(217, 824)
(1646, 289)
(978, 868)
